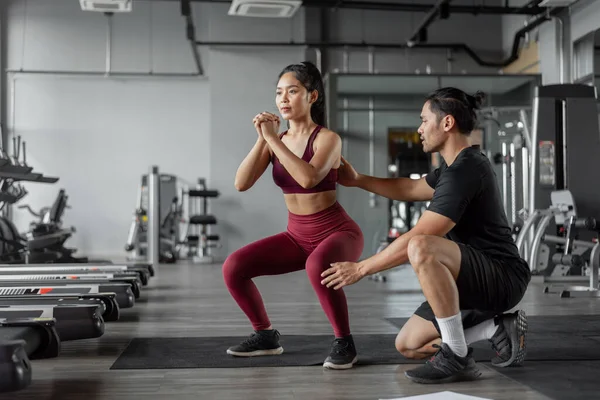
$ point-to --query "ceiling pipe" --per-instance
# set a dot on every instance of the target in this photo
(409, 7)
(531, 4)
(441, 10)
(190, 31)
(519, 35)
(348, 45)
(454, 46)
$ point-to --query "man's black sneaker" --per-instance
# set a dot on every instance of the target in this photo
(342, 354)
(444, 367)
(510, 340)
(260, 343)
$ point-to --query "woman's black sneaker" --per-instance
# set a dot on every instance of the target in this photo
(342, 354)
(260, 343)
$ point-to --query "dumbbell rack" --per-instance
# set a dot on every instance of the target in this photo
(200, 240)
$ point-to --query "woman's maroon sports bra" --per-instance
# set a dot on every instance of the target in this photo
(285, 181)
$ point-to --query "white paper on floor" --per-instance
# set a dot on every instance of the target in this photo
(440, 396)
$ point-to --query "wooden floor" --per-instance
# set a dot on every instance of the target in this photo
(191, 300)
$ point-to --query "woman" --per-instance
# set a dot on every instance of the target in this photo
(305, 159)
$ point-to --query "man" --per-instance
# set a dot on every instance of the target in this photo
(461, 250)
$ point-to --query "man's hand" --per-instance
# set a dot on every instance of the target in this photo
(347, 175)
(341, 274)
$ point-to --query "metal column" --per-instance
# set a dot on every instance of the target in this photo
(153, 216)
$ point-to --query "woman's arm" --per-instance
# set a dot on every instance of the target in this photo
(257, 160)
(253, 166)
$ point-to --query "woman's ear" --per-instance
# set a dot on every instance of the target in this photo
(314, 96)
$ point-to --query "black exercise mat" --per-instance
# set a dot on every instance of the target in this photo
(549, 338)
(559, 380)
(584, 325)
(561, 338)
(210, 352)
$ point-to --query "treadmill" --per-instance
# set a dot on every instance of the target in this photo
(73, 321)
(134, 264)
(124, 295)
(106, 301)
(142, 265)
(134, 282)
(23, 340)
(15, 369)
(118, 270)
(40, 336)
(96, 273)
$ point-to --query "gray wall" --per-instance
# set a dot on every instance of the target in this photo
(58, 35)
(583, 58)
(584, 18)
(100, 134)
(191, 127)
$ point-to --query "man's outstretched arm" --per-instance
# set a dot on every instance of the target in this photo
(401, 189)
(396, 253)
(346, 273)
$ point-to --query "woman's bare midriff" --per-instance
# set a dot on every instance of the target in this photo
(309, 203)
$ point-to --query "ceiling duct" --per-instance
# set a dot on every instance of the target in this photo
(112, 6)
(264, 8)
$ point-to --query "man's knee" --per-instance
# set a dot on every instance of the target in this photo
(420, 251)
(416, 337)
(404, 349)
(413, 348)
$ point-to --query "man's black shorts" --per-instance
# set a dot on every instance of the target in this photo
(486, 286)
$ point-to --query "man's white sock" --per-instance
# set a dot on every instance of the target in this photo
(482, 331)
(452, 334)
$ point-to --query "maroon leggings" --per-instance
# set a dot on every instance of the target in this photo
(312, 242)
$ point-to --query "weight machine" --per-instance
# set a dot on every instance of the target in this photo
(174, 202)
(169, 216)
(557, 229)
(512, 155)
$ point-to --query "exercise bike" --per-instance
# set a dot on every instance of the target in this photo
(45, 241)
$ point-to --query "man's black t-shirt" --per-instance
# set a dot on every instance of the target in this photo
(467, 193)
